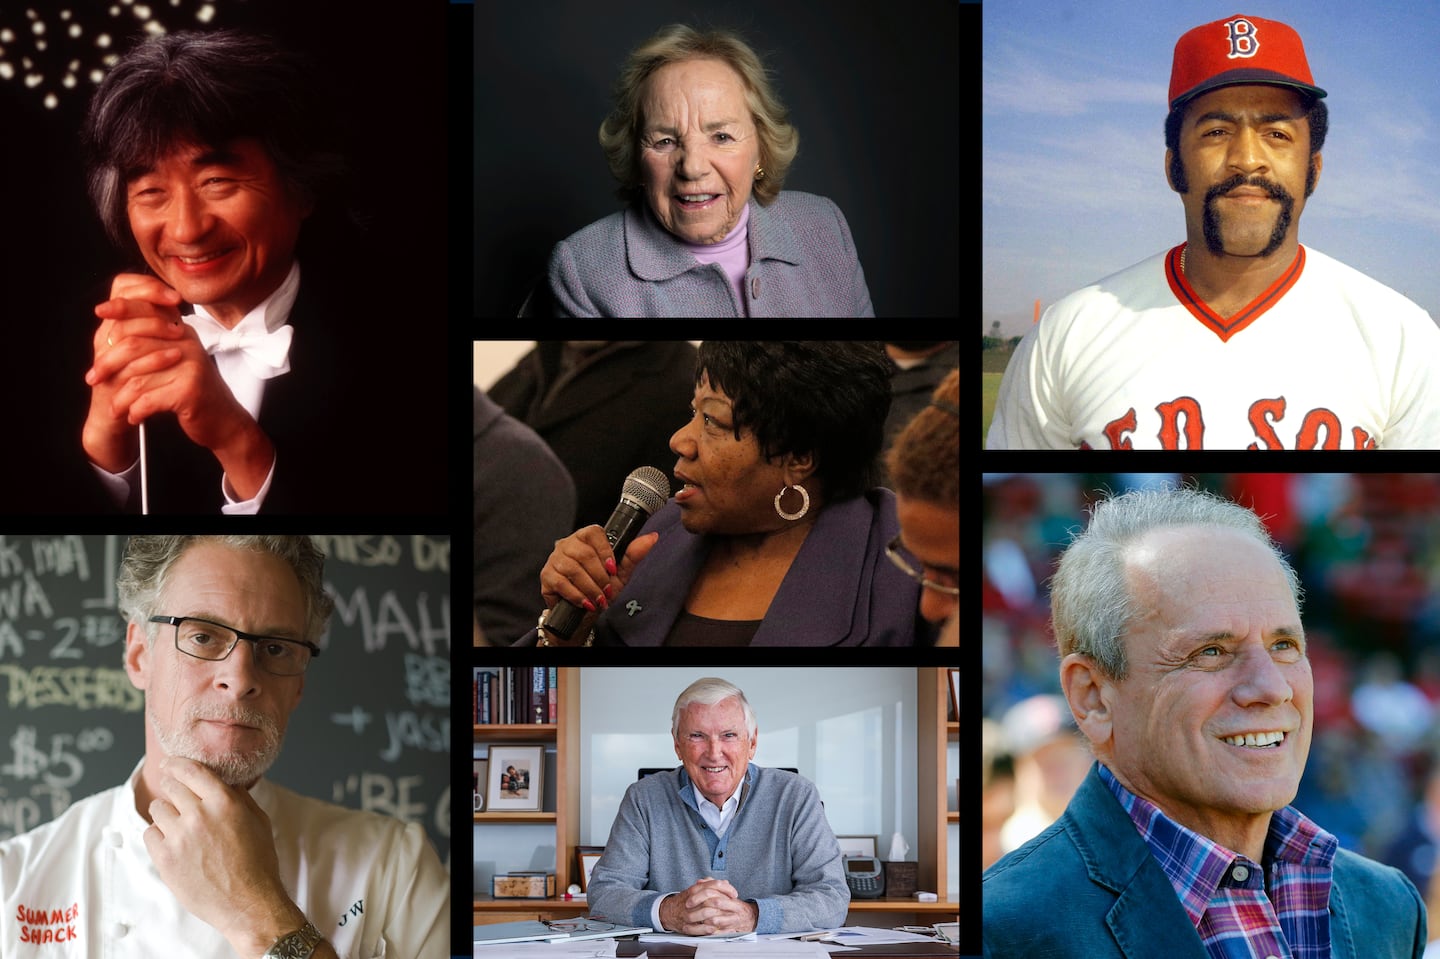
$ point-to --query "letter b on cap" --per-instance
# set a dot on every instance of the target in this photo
(1241, 33)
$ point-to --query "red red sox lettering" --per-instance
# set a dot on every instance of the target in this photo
(1182, 426)
(41, 926)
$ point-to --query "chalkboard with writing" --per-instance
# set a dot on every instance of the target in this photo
(371, 732)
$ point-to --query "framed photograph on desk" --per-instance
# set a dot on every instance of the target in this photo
(585, 859)
(516, 779)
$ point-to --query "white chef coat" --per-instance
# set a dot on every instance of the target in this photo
(83, 885)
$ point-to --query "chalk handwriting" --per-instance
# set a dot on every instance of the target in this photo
(61, 766)
(60, 555)
(427, 680)
(387, 620)
(362, 550)
(357, 719)
(431, 555)
(24, 596)
(80, 687)
(24, 813)
(424, 731)
(377, 792)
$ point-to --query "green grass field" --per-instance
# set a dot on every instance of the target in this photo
(992, 367)
(991, 385)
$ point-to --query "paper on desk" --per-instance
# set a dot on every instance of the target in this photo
(584, 949)
(770, 949)
(867, 935)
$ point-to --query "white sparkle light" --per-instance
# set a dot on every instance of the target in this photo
(142, 11)
(6, 35)
(34, 79)
(64, 14)
(102, 41)
(97, 75)
(69, 81)
(75, 30)
(206, 13)
(154, 28)
(38, 27)
(51, 101)
(6, 70)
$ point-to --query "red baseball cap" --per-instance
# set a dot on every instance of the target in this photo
(1235, 50)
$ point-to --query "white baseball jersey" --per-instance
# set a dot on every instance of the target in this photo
(1326, 358)
(83, 884)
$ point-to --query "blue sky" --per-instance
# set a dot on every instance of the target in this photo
(1074, 102)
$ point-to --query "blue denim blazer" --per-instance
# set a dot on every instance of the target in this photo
(1089, 887)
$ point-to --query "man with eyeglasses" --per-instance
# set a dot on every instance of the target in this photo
(196, 854)
(924, 466)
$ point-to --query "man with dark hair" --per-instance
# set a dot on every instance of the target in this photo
(197, 854)
(208, 154)
(1239, 337)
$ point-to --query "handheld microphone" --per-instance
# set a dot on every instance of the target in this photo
(645, 491)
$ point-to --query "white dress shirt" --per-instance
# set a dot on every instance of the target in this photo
(83, 885)
(270, 315)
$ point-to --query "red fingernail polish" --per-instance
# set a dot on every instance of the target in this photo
(610, 565)
(589, 606)
(601, 602)
(610, 591)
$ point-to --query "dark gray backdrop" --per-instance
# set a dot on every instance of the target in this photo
(873, 88)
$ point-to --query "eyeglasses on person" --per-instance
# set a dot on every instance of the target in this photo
(910, 566)
(206, 640)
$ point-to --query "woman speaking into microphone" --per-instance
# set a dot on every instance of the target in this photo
(776, 535)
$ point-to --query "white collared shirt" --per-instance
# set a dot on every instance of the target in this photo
(248, 389)
(84, 885)
(718, 818)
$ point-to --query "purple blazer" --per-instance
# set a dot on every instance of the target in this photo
(841, 589)
(803, 263)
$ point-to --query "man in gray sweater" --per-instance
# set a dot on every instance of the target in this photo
(720, 845)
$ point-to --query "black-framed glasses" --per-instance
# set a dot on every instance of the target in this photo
(578, 925)
(911, 567)
(206, 640)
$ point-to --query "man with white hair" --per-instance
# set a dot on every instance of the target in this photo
(720, 844)
(197, 854)
(1185, 665)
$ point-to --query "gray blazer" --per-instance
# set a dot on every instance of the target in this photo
(802, 263)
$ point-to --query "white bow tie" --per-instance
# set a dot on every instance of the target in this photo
(265, 354)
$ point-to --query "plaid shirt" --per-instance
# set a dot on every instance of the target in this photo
(1240, 910)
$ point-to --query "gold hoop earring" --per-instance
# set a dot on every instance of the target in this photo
(804, 503)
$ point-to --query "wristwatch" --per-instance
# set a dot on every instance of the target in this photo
(297, 945)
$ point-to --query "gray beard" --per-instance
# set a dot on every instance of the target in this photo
(236, 768)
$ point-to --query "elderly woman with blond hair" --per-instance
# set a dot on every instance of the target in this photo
(701, 145)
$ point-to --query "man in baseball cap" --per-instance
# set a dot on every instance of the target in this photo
(1239, 337)
(1229, 52)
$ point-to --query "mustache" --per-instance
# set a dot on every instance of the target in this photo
(233, 714)
(1274, 190)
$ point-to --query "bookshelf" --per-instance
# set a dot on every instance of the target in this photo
(934, 733)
